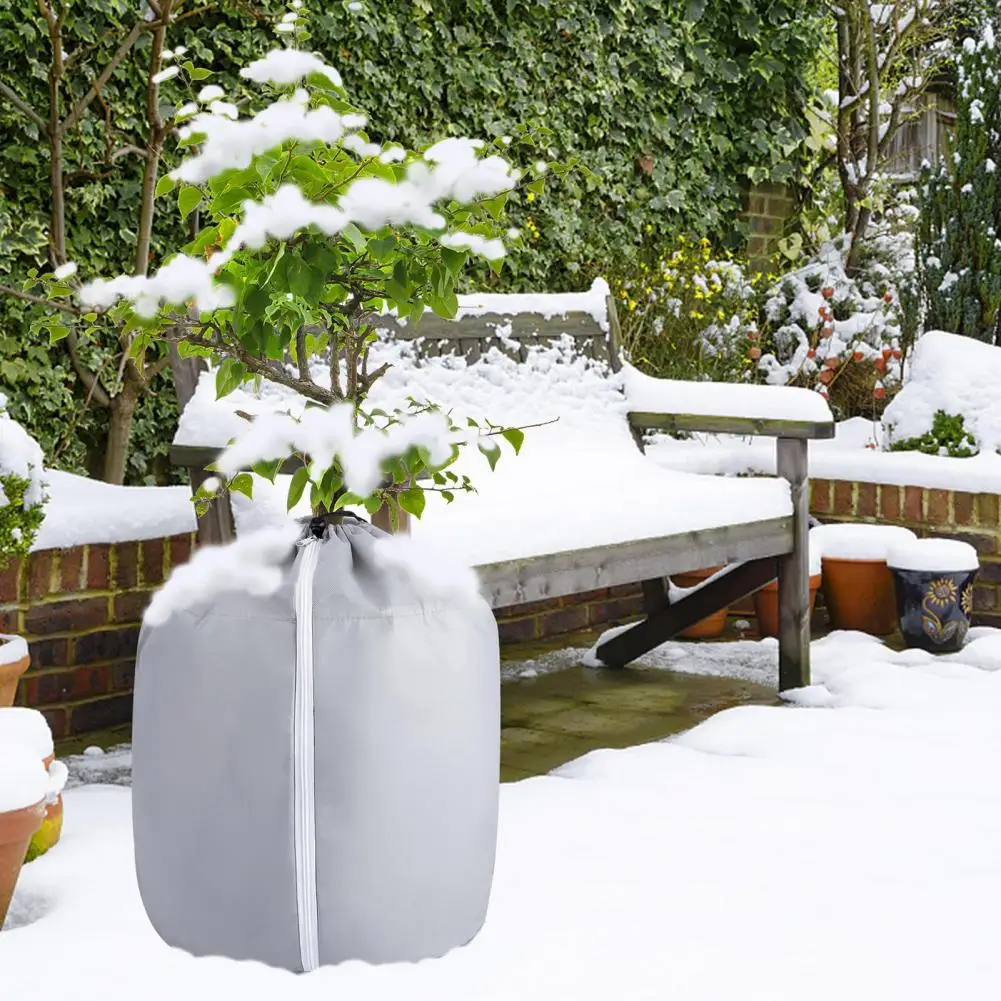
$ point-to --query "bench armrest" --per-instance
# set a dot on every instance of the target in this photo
(718, 424)
(725, 408)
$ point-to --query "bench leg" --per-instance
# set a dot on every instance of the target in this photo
(794, 571)
(215, 527)
(665, 620)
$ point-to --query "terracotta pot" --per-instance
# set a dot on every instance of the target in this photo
(10, 674)
(860, 595)
(47, 836)
(712, 626)
(16, 829)
(766, 605)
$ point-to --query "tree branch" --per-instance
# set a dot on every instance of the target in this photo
(120, 53)
(39, 301)
(91, 382)
(29, 112)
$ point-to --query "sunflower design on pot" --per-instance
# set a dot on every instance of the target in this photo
(939, 596)
(966, 599)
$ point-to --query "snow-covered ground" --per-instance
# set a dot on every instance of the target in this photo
(848, 851)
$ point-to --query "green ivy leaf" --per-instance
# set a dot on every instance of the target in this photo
(165, 184)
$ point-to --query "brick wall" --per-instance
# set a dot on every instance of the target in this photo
(80, 611)
(768, 210)
(952, 514)
(572, 614)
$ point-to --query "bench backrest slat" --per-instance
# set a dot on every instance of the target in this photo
(472, 335)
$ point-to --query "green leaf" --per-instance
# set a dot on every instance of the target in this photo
(187, 198)
(165, 184)
(515, 437)
(268, 470)
(200, 73)
(57, 332)
(412, 501)
(355, 237)
(242, 483)
(230, 375)
(492, 452)
(453, 260)
(538, 186)
(297, 487)
(448, 495)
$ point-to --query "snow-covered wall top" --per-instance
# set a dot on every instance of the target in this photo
(952, 373)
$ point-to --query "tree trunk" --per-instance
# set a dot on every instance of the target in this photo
(121, 414)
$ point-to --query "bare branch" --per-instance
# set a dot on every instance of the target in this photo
(120, 53)
(64, 307)
(91, 382)
(21, 105)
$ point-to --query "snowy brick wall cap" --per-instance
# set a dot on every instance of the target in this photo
(859, 542)
(934, 556)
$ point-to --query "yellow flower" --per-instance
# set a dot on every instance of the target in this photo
(530, 197)
(941, 592)
(695, 315)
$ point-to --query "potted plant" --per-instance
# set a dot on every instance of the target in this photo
(31, 730)
(23, 494)
(934, 590)
(26, 788)
(312, 232)
(858, 587)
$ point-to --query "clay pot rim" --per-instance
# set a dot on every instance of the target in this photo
(21, 824)
(880, 562)
(934, 573)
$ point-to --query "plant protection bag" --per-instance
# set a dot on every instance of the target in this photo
(315, 770)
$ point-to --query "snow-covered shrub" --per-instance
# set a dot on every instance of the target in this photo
(950, 399)
(312, 231)
(959, 237)
(839, 335)
(948, 435)
(690, 314)
(23, 488)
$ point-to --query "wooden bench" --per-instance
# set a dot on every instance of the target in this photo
(752, 552)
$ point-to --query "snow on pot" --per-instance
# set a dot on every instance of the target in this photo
(30, 728)
(25, 788)
(14, 661)
(858, 587)
(316, 759)
(934, 589)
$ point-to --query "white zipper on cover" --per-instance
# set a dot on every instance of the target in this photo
(303, 803)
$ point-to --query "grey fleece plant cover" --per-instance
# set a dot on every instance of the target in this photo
(315, 773)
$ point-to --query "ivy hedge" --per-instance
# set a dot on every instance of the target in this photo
(671, 108)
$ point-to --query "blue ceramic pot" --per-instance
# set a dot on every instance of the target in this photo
(933, 609)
